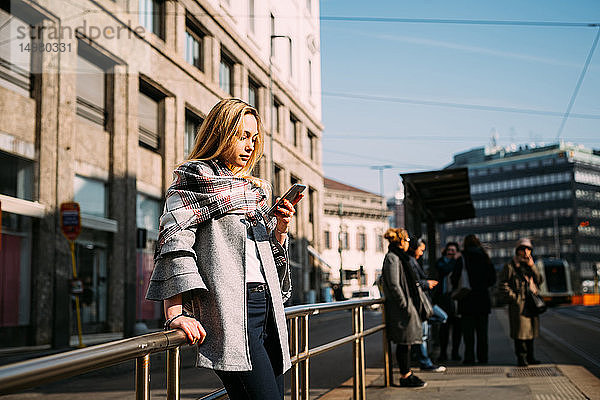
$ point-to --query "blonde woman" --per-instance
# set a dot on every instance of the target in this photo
(403, 325)
(221, 265)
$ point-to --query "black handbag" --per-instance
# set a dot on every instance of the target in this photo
(425, 306)
(534, 304)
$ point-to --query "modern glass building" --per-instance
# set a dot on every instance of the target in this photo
(550, 194)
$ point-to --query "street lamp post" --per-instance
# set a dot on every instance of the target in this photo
(273, 116)
(340, 212)
(380, 168)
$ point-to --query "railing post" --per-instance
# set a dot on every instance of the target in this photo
(142, 377)
(304, 366)
(387, 361)
(173, 374)
(359, 387)
(295, 373)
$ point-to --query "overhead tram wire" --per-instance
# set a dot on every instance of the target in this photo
(578, 85)
(479, 107)
(461, 21)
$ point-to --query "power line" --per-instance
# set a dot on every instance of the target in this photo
(461, 21)
(364, 156)
(480, 107)
(578, 85)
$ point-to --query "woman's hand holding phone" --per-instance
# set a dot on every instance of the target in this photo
(284, 212)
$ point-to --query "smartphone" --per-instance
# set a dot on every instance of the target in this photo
(290, 196)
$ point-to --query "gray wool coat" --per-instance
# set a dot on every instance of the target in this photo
(514, 288)
(403, 325)
(206, 263)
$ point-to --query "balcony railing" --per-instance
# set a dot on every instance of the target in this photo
(27, 374)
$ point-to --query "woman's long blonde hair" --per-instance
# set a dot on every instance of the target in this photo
(220, 129)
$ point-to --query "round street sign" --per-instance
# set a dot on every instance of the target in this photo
(70, 220)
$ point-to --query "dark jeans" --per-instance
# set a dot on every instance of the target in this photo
(454, 325)
(475, 325)
(260, 383)
(403, 357)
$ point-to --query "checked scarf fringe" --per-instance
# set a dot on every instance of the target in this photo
(196, 196)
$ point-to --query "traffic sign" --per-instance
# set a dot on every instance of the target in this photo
(70, 220)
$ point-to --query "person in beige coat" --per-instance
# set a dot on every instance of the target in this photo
(518, 274)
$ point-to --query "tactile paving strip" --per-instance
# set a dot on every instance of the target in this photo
(557, 388)
(475, 371)
(525, 372)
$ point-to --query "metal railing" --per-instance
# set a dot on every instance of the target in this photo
(27, 374)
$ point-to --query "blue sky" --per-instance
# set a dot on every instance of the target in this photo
(453, 66)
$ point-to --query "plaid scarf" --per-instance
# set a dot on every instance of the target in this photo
(195, 197)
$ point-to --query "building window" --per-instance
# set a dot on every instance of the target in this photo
(91, 90)
(253, 93)
(92, 196)
(343, 239)
(312, 145)
(276, 114)
(15, 54)
(361, 241)
(149, 110)
(226, 74)
(309, 6)
(192, 124)
(379, 242)
(194, 49)
(251, 17)
(277, 180)
(152, 16)
(294, 129)
(312, 198)
(16, 176)
(148, 211)
(327, 239)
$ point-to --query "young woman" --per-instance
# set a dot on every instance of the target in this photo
(415, 251)
(221, 264)
(403, 325)
(518, 275)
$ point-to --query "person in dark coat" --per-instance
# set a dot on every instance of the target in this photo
(416, 249)
(475, 307)
(403, 325)
(517, 275)
(441, 296)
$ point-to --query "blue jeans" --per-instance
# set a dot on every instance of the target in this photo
(260, 383)
(439, 316)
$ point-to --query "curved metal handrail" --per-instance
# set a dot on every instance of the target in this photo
(27, 374)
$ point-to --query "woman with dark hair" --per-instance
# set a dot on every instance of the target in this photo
(403, 325)
(475, 307)
(416, 249)
(442, 271)
(221, 266)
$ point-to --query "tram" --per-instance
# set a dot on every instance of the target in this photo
(556, 288)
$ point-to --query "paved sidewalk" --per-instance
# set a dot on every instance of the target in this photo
(543, 382)
(500, 380)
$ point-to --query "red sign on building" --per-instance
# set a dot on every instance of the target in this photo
(70, 220)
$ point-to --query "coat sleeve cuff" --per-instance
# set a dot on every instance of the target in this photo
(174, 274)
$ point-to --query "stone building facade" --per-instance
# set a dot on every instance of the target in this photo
(354, 222)
(99, 100)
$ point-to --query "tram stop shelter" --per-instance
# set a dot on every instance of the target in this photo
(436, 197)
